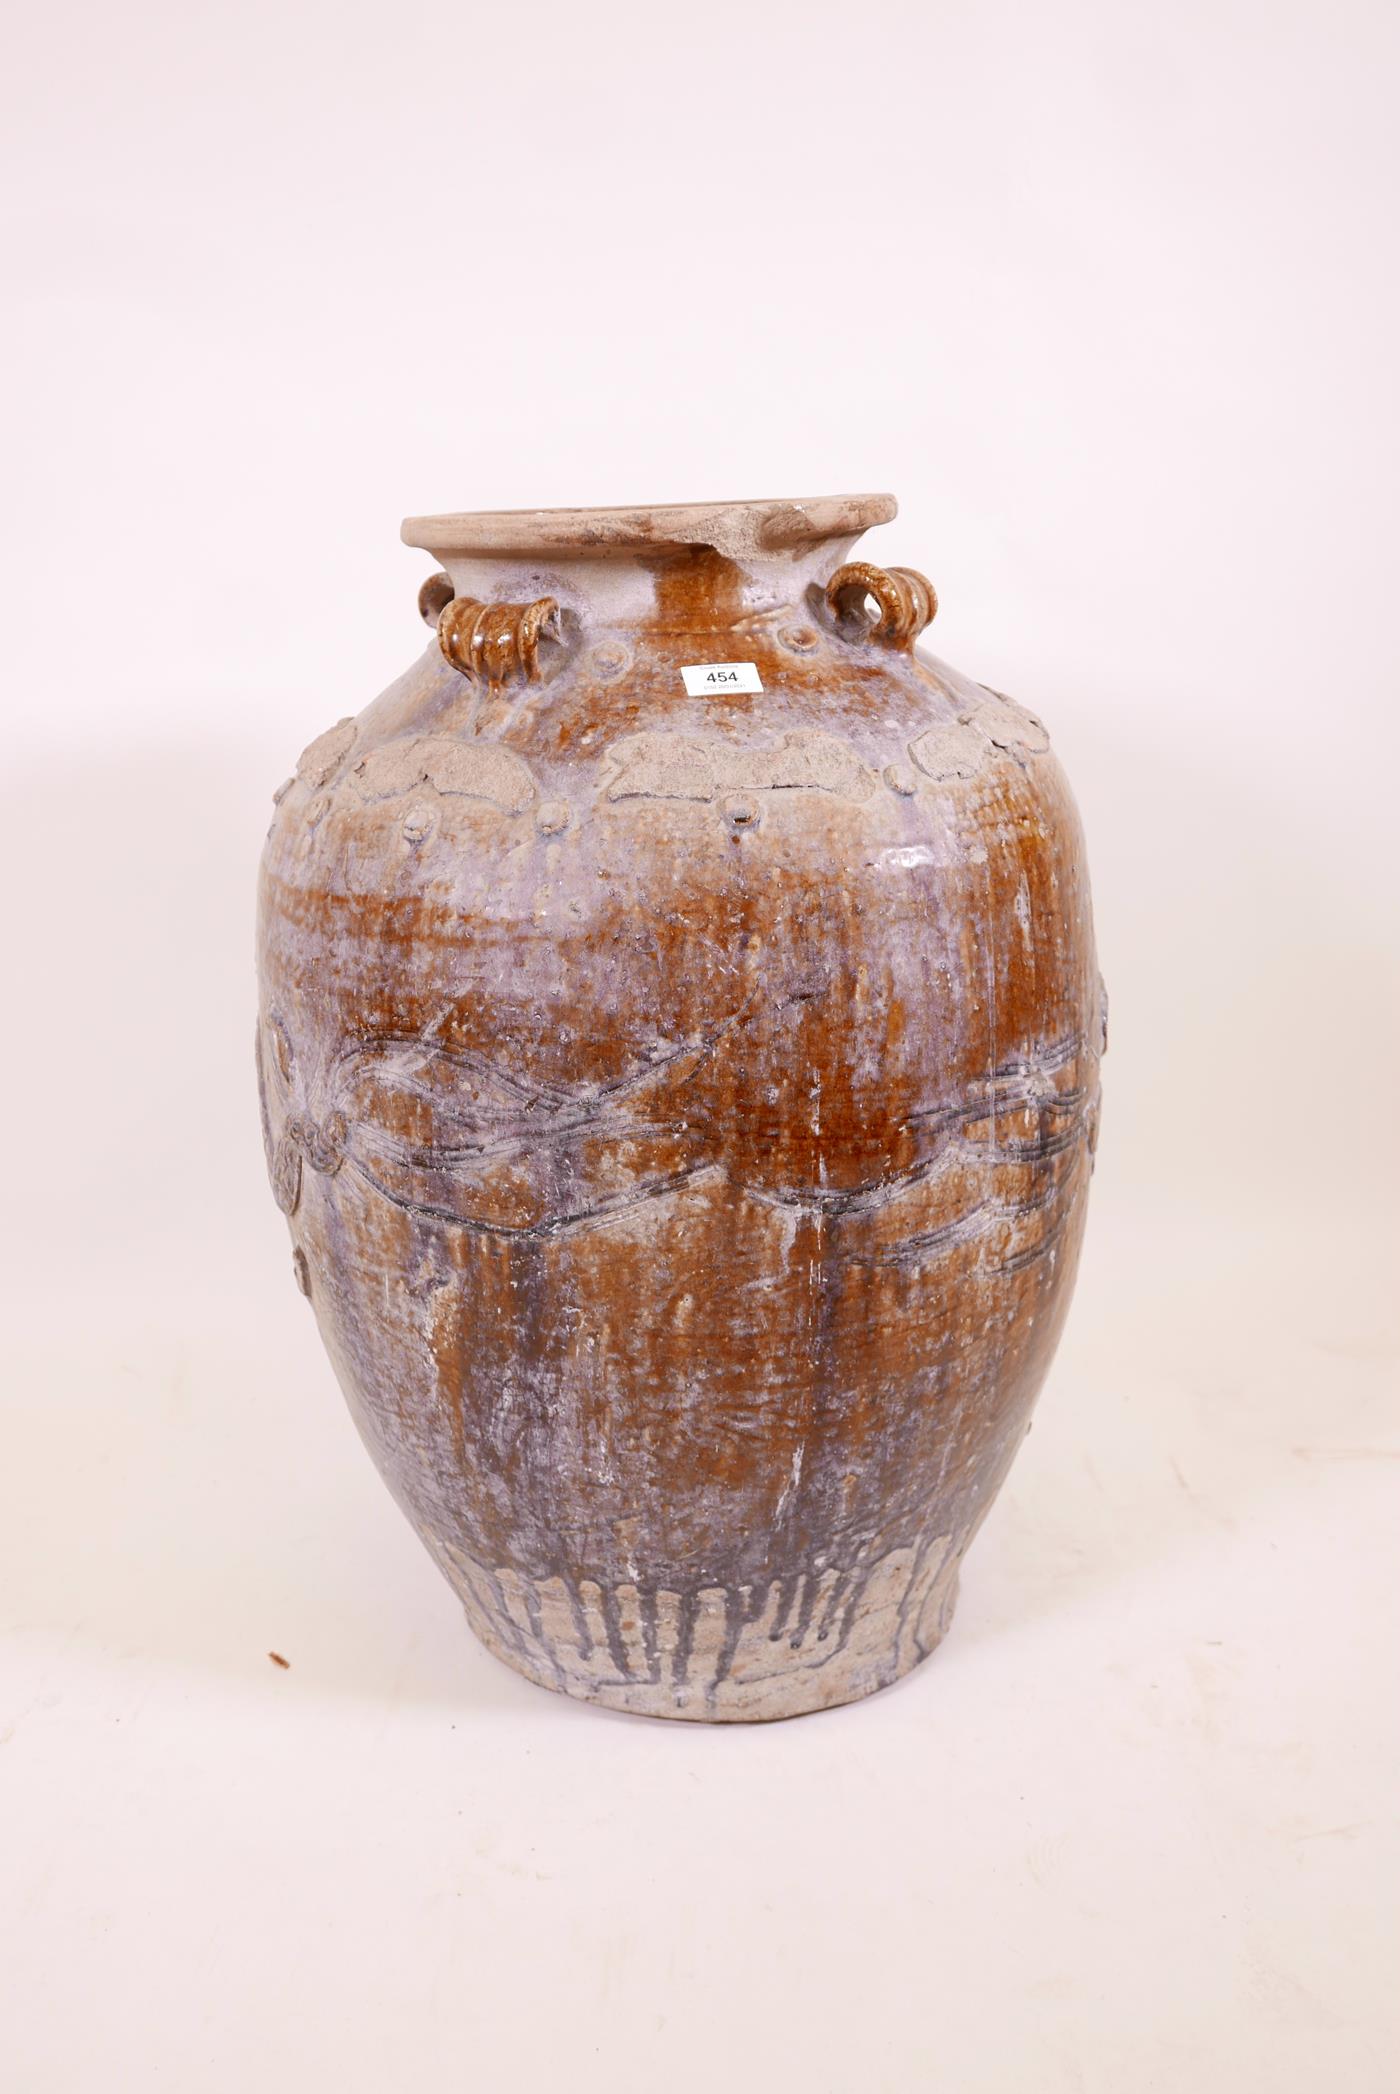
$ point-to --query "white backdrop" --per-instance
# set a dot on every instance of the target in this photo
(1107, 295)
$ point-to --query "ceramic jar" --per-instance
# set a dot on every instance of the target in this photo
(679, 1049)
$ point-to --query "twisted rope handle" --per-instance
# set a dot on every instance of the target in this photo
(497, 642)
(905, 603)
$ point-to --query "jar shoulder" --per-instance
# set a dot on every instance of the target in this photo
(845, 744)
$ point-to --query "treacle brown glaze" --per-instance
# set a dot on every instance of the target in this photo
(683, 1109)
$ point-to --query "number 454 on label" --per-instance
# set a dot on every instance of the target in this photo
(703, 677)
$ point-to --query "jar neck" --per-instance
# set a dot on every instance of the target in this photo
(691, 588)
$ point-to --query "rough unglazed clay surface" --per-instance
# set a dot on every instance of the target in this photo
(683, 1107)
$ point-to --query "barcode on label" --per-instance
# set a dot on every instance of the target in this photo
(702, 678)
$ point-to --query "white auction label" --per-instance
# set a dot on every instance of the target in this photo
(703, 677)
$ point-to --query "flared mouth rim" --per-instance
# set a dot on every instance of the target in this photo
(734, 528)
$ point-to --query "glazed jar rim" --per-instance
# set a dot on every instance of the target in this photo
(732, 528)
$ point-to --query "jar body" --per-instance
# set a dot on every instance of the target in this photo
(683, 1108)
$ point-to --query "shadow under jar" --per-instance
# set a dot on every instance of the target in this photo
(678, 1045)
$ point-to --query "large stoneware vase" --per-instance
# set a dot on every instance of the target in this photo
(679, 1045)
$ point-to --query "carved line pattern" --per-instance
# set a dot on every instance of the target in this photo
(503, 1117)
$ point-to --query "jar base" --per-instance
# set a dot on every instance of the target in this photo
(757, 1654)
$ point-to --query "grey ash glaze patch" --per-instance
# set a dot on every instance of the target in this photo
(959, 748)
(321, 759)
(688, 767)
(474, 770)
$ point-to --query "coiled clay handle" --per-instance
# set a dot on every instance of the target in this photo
(905, 603)
(498, 642)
